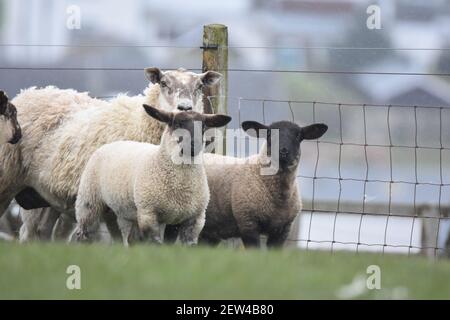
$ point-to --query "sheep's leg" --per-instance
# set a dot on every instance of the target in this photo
(190, 229)
(111, 223)
(251, 239)
(171, 233)
(149, 226)
(37, 224)
(63, 227)
(88, 218)
(6, 196)
(126, 226)
(210, 241)
(248, 231)
(277, 238)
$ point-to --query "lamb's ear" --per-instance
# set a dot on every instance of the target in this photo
(153, 74)
(314, 131)
(158, 114)
(216, 120)
(210, 78)
(252, 128)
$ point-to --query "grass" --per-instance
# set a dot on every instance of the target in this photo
(38, 271)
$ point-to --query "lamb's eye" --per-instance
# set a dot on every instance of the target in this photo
(163, 84)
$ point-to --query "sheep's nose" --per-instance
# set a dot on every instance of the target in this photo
(284, 152)
(184, 106)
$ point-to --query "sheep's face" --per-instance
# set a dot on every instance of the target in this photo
(9, 127)
(186, 130)
(181, 90)
(283, 139)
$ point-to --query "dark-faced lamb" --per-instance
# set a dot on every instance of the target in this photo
(149, 184)
(244, 202)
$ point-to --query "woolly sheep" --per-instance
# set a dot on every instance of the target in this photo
(62, 128)
(244, 203)
(10, 131)
(142, 183)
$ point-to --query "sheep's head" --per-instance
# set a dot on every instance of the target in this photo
(186, 130)
(283, 139)
(9, 127)
(181, 90)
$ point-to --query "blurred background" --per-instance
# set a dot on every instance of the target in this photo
(380, 178)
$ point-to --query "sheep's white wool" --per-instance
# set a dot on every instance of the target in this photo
(139, 182)
(61, 130)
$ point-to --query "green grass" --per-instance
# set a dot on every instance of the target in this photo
(38, 271)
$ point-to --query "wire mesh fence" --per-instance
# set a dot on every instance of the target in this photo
(379, 180)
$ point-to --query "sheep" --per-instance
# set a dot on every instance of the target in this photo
(142, 183)
(64, 127)
(10, 131)
(245, 203)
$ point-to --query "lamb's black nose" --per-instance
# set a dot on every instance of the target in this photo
(284, 152)
(184, 106)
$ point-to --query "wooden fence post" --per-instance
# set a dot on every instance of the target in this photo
(215, 58)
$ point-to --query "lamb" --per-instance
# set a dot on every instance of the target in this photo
(143, 183)
(62, 128)
(10, 131)
(244, 203)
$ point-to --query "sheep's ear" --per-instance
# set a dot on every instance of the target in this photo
(252, 128)
(216, 120)
(158, 114)
(314, 131)
(210, 78)
(153, 74)
(3, 102)
(3, 97)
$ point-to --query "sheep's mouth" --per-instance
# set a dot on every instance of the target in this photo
(16, 138)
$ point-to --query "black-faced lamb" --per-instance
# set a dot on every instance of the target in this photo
(244, 203)
(149, 184)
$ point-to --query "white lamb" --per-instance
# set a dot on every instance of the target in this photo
(143, 183)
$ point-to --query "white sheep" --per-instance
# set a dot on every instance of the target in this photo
(142, 183)
(62, 128)
(246, 201)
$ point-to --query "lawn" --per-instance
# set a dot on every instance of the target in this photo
(38, 271)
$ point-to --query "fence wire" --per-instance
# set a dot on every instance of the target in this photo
(416, 212)
(314, 210)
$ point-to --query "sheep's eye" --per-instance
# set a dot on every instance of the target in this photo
(199, 87)
(163, 84)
